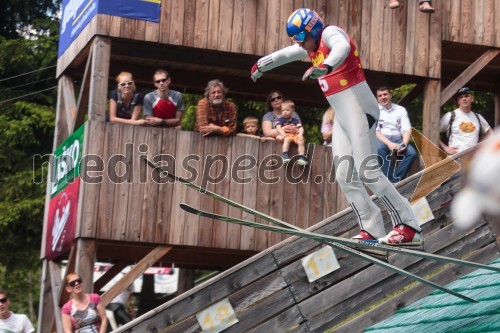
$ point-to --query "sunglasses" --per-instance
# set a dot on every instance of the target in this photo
(4, 300)
(161, 81)
(126, 84)
(299, 38)
(276, 98)
(74, 282)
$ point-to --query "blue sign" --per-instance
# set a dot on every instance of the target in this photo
(76, 14)
(147, 10)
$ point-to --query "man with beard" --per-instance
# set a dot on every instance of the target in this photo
(215, 115)
(163, 107)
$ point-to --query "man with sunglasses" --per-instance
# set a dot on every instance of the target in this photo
(12, 322)
(337, 67)
(164, 106)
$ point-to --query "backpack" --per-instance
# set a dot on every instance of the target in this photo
(446, 139)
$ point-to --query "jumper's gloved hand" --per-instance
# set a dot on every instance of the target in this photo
(316, 72)
(256, 73)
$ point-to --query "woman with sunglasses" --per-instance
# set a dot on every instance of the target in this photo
(83, 313)
(270, 119)
(125, 104)
(337, 67)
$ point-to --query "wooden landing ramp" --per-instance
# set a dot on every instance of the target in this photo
(270, 292)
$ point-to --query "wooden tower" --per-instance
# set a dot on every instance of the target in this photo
(125, 216)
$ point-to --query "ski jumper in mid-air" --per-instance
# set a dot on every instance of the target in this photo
(337, 67)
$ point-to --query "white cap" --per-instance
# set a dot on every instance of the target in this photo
(482, 192)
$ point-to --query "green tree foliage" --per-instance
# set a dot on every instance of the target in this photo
(28, 47)
(19, 18)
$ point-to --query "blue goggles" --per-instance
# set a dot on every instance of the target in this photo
(299, 38)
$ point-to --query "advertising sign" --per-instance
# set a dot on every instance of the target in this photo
(76, 14)
(64, 192)
(61, 223)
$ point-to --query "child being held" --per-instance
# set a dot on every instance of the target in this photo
(251, 129)
(287, 109)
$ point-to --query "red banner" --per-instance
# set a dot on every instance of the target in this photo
(61, 224)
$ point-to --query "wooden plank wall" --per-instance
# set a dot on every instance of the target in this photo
(129, 205)
(403, 40)
(270, 291)
(472, 22)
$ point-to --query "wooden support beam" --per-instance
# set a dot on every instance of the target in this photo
(430, 120)
(61, 130)
(101, 55)
(63, 295)
(135, 272)
(468, 74)
(57, 285)
(47, 305)
(83, 97)
(68, 96)
(109, 275)
(85, 260)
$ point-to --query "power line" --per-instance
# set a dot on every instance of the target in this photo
(33, 93)
(36, 70)
(26, 84)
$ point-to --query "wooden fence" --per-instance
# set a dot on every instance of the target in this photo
(132, 204)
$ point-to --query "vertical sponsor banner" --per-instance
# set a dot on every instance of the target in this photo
(64, 190)
(76, 14)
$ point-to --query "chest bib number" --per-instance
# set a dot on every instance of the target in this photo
(323, 84)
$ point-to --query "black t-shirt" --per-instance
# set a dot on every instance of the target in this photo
(125, 111)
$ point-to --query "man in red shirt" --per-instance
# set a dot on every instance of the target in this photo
(163, 107)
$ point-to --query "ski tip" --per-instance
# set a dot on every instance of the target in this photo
(184, 206)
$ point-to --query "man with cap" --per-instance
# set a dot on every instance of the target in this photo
(462, 126)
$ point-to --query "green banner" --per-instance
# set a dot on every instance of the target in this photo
(65, 166)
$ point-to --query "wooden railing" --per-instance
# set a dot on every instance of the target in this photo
(132, 203)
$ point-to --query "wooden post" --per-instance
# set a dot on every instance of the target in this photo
(47, 305)
(186, 280)
(83, 97)
(101, 54)
(430, 123)
(85, 260)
